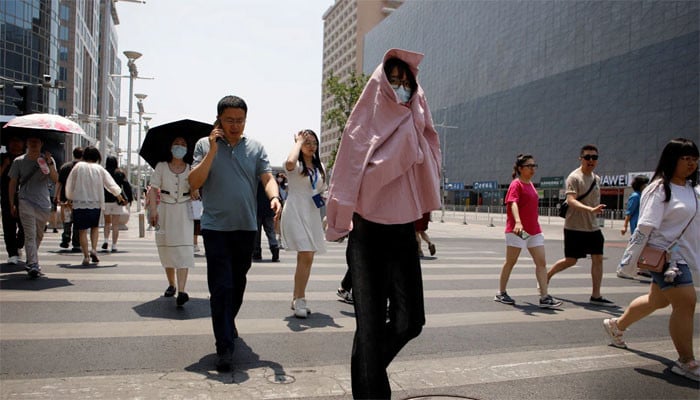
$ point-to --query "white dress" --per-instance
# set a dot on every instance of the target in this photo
(174, 237)
(301, 225)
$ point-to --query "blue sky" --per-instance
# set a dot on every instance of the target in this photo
(268, 52)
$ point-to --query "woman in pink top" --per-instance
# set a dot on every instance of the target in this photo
(386, 175)
(523, 231)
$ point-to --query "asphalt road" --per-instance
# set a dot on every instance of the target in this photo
(107, 332)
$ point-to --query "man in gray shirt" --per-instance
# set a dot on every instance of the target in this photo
(226, 168)
(32, 171)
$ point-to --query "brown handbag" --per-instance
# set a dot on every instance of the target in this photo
(652, 259)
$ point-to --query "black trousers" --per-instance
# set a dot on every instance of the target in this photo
(228, 261)
(385, 267)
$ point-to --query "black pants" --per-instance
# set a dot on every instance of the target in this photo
(13, 231)
(385, 266)
(228, 261)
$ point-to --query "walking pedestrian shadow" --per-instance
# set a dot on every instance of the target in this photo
(533, 309)
(667, 375)
(244, 360)
(314, 320)
(89, 266)
(164, 307)
(18, 280)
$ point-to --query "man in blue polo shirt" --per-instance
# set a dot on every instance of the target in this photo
(226, 167)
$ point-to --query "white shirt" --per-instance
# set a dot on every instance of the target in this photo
(85, 182)
(669, 219)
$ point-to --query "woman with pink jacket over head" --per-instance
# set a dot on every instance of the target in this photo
(386, 175)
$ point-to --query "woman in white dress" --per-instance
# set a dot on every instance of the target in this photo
(302, 230)
(173, 219)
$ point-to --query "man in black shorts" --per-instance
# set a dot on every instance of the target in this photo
(582, 234)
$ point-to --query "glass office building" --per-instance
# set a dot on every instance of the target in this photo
(547, 77)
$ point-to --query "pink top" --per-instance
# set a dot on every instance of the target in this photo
(525, 196)
(388, 164)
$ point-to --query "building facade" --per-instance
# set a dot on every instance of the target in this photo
(65, 52)
(547, 77)
(345, 24)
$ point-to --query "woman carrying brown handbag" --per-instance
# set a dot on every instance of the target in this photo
(668, 219)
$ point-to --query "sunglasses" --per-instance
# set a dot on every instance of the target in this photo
(589, 157)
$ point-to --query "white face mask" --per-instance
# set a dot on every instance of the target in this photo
(403, 94)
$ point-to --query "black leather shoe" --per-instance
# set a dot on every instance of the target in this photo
(169, 292)
(275, 254)
(224, 361)
(182, 298)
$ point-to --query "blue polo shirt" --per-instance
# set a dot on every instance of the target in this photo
(229, 193)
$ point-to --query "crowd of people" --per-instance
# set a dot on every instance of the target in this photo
(384, 185)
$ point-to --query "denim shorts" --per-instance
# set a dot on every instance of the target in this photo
(684, 279)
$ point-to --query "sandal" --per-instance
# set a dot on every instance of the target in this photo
(690, 369)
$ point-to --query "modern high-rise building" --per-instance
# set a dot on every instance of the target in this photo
(546, 78)
(345, 24)
(64, 51)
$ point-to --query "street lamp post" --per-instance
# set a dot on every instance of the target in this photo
(133, 73)
(443, 166)
(141, 97)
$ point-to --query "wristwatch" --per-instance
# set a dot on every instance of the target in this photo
(276, 197)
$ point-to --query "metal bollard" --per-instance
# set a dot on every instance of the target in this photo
(142, 227)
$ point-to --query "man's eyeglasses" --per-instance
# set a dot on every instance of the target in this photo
(310, 143)
(396, 82)
(530, 166)
(232, 121)
(589, 157)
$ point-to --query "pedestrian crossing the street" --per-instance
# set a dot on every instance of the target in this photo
(106, 331)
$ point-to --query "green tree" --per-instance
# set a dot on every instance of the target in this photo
(345, 95)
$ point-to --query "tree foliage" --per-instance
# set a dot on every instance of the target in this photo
(345, 95)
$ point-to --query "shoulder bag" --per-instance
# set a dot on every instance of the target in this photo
(564, 206)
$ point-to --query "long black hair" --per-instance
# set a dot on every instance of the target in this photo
(674, 150)
(520, 160)
(315, 160)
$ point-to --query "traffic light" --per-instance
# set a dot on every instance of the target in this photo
(25, 101)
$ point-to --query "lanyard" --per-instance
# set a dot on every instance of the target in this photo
(313, 177)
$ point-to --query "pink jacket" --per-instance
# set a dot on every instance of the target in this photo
(388, 164)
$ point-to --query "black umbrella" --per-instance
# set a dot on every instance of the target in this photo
(159, 139)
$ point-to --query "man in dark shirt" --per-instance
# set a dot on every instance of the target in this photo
(66, 207)
(11, 227)
(266, 221)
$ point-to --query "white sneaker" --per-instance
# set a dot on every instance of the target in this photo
(614, 333)
(300, 309)
(13, 260)
(622, 274)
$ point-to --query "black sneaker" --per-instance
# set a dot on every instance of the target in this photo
(63, 245)
(104, 246)
(549, 302)
(223, 361)
(601, 301)
(34, 271)
(504, 298)
(275, 254)
(169, 292)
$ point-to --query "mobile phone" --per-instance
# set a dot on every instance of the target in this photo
(523, 235)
